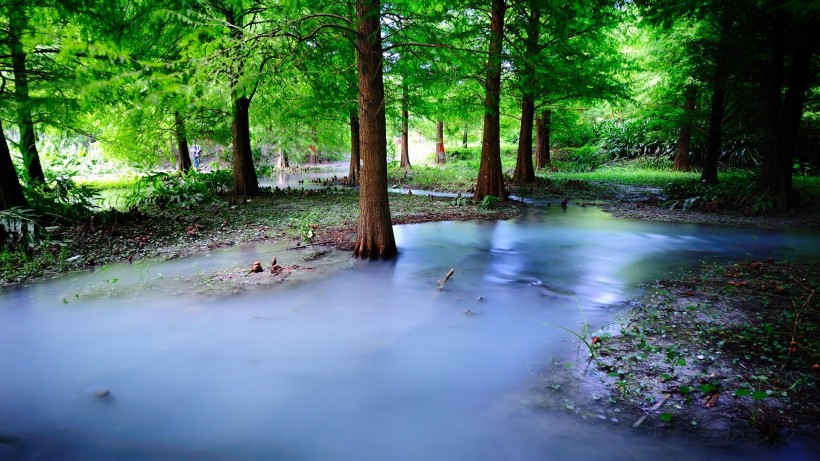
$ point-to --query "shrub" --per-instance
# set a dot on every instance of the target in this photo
(162, 188)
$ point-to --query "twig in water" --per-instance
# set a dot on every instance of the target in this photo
(441, 282)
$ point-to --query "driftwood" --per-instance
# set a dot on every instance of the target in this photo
(441, 282)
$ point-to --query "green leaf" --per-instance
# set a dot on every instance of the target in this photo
(760, 395)
(665, 417)
(742, 392)
(684, 389)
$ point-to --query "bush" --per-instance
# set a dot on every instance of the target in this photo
(581, 159)
(162, 188)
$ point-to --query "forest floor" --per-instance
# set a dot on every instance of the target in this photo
(731, 350)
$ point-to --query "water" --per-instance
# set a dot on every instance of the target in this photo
(371, 363)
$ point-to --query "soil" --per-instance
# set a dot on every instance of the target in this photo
(730, 351)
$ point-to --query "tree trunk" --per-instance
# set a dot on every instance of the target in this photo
(28, 147)
(184, 159)
(542, 140)
(464, 137)
(405, 140)
(281, 160)
(355, 159)
(713, 141)
(375, 230)
(777, 183)
(441, 157)
(11, 194)
(490, 176)
(524, 172)
(682, 151)
(245, 182)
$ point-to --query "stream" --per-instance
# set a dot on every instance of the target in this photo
(369, 362)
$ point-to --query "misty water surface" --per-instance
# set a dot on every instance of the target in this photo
(369, 363)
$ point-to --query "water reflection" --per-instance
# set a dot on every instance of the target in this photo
(371, 363)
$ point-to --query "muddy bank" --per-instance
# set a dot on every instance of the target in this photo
(731, 351)
(154, 233)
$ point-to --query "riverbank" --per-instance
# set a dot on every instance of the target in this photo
(729, 351)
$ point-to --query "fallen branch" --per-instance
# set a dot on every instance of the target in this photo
(441, 282)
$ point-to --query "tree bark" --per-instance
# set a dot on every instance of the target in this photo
(542, 140)
(490, 175)
(28, 147)
(524, 172)
(684, 139)
(375, 230)
(441, 156)
(11, 194)
(355, 158)
(183, 158)
(709, 175)
(245, 181)
(776, 178)
(464, 137)
(281, 160)
(405, 128)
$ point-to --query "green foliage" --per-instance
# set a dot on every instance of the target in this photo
(489, 202)
(736, 191)
(19, 225)
(178, 188)
(581, 159)
(61, 199)
(304, 226)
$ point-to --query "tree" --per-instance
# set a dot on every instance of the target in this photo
(405, 135)
(490, 176)
(18, 26)
(681, 162)
(793, 34)
(11, 194)
(441, 157)
(709, 175)
(183, 159)
(542, 140)
(375, 230)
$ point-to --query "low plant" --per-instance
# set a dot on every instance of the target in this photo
(178, 188)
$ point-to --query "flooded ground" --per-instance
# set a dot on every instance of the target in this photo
(368, 363)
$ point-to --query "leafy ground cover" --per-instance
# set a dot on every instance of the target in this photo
(730, 351)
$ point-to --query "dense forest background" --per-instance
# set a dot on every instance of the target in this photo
(99, 87)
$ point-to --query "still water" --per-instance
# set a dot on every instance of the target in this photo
(369, 363)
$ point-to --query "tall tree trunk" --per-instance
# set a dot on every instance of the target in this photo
(490, 175)
(769, 182)
(375, 230)
(524, 172)
(464, 137)
(11, 194)
(709, 175)
(441, 156)
(684, 139)
(245, 181)
(405, 128)
(18, 22)
(542, 140)
(313, 149)
(355, 159)
(184, 158)
(777, 183)
(281, 159)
